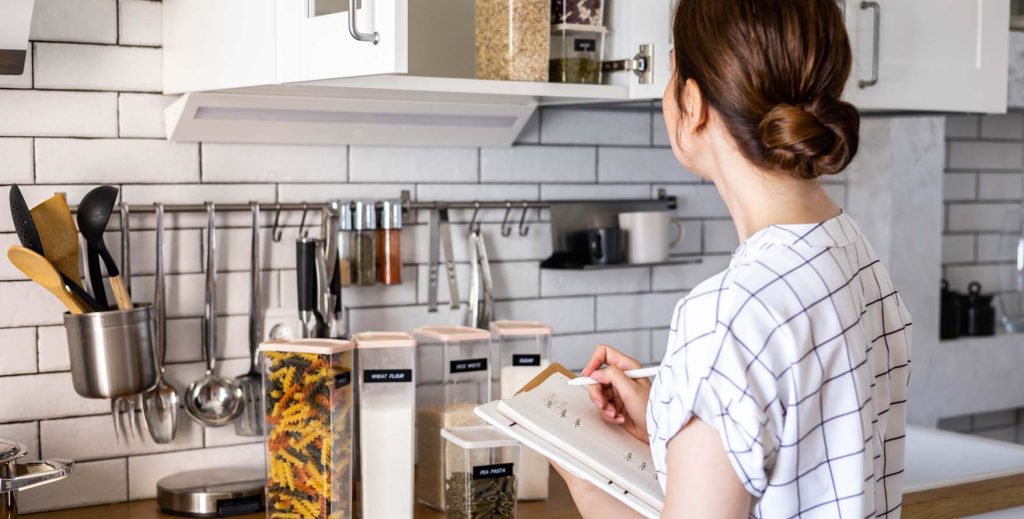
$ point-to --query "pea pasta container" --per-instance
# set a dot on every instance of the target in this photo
(387, 403)
(523, 351)
(308, 391)
(452, 378)
(481, 476)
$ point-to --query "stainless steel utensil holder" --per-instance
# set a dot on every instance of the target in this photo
(111, 353)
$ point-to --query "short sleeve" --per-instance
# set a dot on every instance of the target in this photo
(711, 373)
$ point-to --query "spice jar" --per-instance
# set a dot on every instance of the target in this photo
(576, 54)
(389, 247)
(452, 378)
(346, 243)
(364, 224)
(308, 394)
(480, 480)
(387, 402)
(524, 350)
(512, 38)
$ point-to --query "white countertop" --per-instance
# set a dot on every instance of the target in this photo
(937, 458)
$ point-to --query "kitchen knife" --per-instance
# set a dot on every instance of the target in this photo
(305, 272)
(449, 257)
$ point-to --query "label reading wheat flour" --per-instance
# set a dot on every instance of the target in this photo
(375, 376)
(467, 365)
(526, 360)
(342, 379)
(492, 471)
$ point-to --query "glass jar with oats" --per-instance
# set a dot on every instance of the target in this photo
(513, 39)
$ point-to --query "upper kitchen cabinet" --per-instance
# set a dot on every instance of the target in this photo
(929, 55)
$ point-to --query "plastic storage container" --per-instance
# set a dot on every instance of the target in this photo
(524, 350)
(576, 54)
(512, 39)
(481, 477)
(452, 377)
(307, 385)
(387, 410)
(581, 12)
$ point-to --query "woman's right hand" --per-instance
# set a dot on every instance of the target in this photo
(621, 400)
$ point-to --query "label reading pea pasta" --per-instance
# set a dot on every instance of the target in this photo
(467, 365)
(374, 376)
(492, 471)
(526, 360)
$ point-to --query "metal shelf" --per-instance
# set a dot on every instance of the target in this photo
(679, 261)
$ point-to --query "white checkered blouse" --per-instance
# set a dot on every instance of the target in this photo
(799, 355)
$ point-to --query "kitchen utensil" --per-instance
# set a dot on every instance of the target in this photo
(250, 422)
(306, 284)
(122, 412)
(949, 312)
(93, 215)
(213, 400)
(434, 257)
(978, 317)
(632, 373)
(111, 353)
(45, 274)
(603, 246)
(220, 492)
(481, 296)
(324, 299)
(160, 404)
(649, 236)
(126, 246)
(58, 235)
(449, 257)
(15, 477)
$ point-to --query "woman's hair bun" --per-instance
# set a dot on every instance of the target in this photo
(815, 138)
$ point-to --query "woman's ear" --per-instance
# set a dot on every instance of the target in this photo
(696, 116)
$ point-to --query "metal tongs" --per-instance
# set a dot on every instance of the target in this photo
(320, 308)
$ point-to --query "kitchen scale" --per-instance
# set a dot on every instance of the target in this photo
(220, 492)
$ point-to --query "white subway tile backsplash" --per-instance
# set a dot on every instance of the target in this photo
(992, 248)
(584, 126)
(574, 351)
(361, 296)
(625, 312)
(660, 136)
(115, 161)
(564, 315)
(224, 436)
(24, 432)
(555, 283)
(640, 165)
(91, 483)
(140, 22)
(962, 126)
(98, 67)
(198, 193)
(536, 245)
(274, 163)
(16, 157)
(338, 190)
(697, 200)
(659, 343)
(959, 276)
(7, 270)
(63, 439)
(977, 217)
(719, 236)
(28, 304)
(691, 241)
(46, 395)
(79, 21)
(594, 191)
(985, 155)
(512, 280)
(959, 186)
(958, 248)
(18, 351)
(531, 131)
(48, 114)
(53, 349)
(383, 164)
(1000, 186)
(142, 115)
(1003, 126)
(538, 164)
(145, 471)
(686, 277)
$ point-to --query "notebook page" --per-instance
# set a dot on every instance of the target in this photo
(565, 417)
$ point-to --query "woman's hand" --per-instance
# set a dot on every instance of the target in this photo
(620, 399)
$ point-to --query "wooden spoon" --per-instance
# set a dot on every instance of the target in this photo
(38, 269)
(57, 231)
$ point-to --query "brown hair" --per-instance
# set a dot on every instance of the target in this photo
(774, 70)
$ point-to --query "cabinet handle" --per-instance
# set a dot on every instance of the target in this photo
(354, 30)
(875, 43)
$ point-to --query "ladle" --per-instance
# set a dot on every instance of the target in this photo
(93, 215)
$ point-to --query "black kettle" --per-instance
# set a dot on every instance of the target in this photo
(978, 316)
(949, 312)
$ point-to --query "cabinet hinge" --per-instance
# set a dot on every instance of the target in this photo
(642, 64)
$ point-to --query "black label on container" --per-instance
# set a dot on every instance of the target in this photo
(373, 376)
(584, 45)
(467, 365)
(492, 471)
(526, 360)
(342, 379)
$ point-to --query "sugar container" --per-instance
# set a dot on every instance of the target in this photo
(387, 403)
(523, 351)
(452, 378)
(481, 476)
(307, 385)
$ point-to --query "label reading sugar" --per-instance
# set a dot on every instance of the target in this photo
(342, 379)
(492, 471)
(467, 365)
(372, 376)
(526, 360)
(585, 45)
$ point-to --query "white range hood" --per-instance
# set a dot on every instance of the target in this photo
(15, 22)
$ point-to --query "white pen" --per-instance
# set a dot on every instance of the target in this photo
(633, 373)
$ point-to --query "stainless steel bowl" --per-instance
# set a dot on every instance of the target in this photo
(15, 477)
(111, 353)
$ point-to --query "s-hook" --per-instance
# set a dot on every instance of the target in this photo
(303, 232)
(474, 225)
(524, 229)
(506, 228)
(275, 232)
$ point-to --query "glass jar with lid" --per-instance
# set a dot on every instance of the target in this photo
(389, 243)
(364, 224)
(512, 39)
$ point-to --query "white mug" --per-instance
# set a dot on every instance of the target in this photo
(649, 235)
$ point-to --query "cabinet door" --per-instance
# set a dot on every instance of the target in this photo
(315, 40)
(930, 55)
(633, 24)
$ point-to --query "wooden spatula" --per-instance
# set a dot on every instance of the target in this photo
(38, 269)
(57, 231)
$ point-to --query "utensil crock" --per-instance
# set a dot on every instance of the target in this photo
(111, 353)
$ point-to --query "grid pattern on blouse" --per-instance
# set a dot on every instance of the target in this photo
(799, 355)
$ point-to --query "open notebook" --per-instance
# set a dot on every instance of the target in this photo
(560, 422)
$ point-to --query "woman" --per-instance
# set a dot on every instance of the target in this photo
(783, 388)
